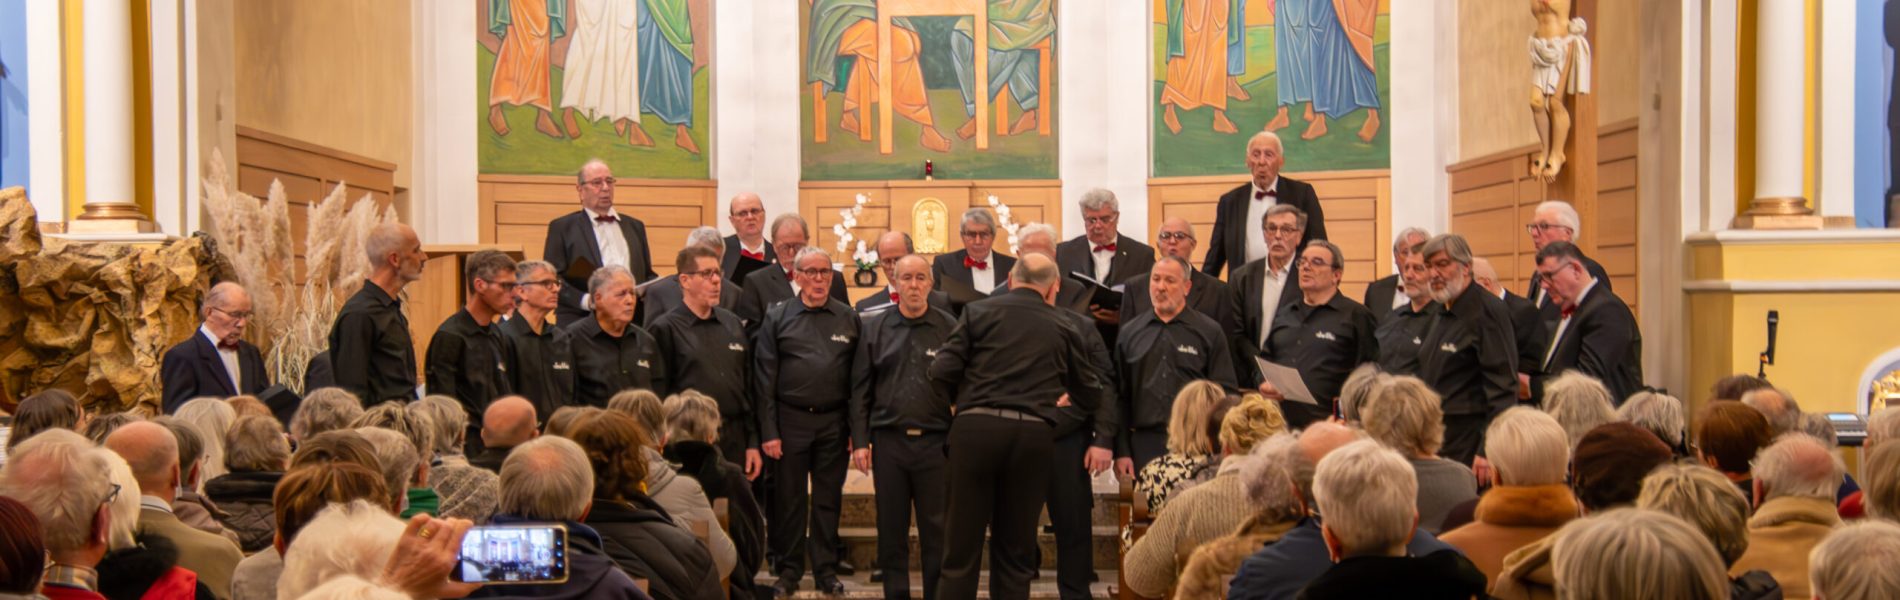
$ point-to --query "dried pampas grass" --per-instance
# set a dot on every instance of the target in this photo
(292, 321)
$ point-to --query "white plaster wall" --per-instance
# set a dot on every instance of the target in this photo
(46, 132)
(1424, 112)
(444, 206)
(1836, 98)
(1104, 109)
(755, 104)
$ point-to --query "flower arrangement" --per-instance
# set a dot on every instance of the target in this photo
(866, 259)
(1003, 220)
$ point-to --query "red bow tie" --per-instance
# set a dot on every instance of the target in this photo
(1264, 193)
(607, 219)
(971, 263)
(230, 344)
(893, 297)
(1569, 310)
(1108, 247)
(752, 255)
(788, 275)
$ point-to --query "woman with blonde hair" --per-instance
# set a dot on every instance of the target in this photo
(1404, 415)
(1702, 497)
(1636, 553)
(1193, 454)
(213, 418)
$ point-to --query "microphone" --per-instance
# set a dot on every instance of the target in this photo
(1768, 355)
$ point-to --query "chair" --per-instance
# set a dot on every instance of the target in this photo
(1132, 513)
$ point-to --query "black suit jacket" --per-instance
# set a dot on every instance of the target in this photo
(1532, 336)
(1602, 341)
(768, 286)
(1132, 258)
(663, 296)
(1379, 295)
(1246, 285)
(729, 263)
(950, 266)
(193, 368)
(1551, 311)
(1072, 294)
(571, 237)
(1229, 246)
(878, 302)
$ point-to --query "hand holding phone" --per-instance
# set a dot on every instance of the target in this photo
(425, 556)
(513, 554)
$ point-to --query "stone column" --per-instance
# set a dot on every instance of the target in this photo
(110, 176)
(1781, 75)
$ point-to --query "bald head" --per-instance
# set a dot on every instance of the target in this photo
(1036, 271)
(152, 452)
(508, 422)
(1176, 238)
(1485, 275)
(1783, 414)
(1797, 465)
(1323, 437)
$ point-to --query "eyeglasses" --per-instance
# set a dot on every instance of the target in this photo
(1100, 220)
(1281, 230)
(240, 316)
(601, 182)
(1174, 236)
(752, 212)
(1314, 263)
(708, 273)
(1535, 228)
(814, 272)
(506, 286)
(979, 234)
(111, 495)
(550, 284)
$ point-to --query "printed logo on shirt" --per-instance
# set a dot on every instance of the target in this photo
(840, 338)
(560, 365)
(1417, 342)
(1326, 335)
(930, 353)
(1447, 347)
(1187, 350)
(501, 366)
(735, 347)
(642, 363)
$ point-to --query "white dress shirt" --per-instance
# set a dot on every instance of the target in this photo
(1558, 335)
(1400, 299)
(1102, 259)
(1272, 285)
(230, 360)
(984, 278)
(613, 244)
(1256, 212)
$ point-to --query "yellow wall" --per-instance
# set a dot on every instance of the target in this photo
(337, 73)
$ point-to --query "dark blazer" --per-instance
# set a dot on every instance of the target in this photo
(571, 237)
(1246, 284)
(1602, 341)
(1551, 310)
(1379, 295)
(193, 368)
(318, 373)
(1131, 258)
(729, 263)
(950, 266)
(1072, 294)
(663, 296)
(768, 286)
(882, 300)
(1533, 337)
(1228, 248)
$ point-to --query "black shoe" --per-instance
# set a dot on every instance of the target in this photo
(830, 586)
(784, 587)
(877, 576)
(845, 568)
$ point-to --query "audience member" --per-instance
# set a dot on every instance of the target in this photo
(1268, 475)
(247, 405)
(1732, 387)
(1528, 500)
(358, 546)
(257, 455)
(631, 402)
(1579, 402)
(1610, 462)
(508, 422)
(419, 435)
(1856, 561)
(449, 422)
(470, 493)
(192, 508)
(1358, 388)
(1727, 436)
(1795, 480)
(1881, 497)
(549, 479)
(49, 409)
(1882, 426)
(1779, 407)
(1193, 431)
(300, 495)
(1634, 553)
(1369, 496)
(1207, 511)
(213, 418)
(139, 563)
(103, 425)
(1820, 428)
(1702, 497)
(1661, 414)
(342, 445)
(324, 409)
(564, 418)
(402, 470)
(23, 557)
(152, 453)
(1404, 415)
(635, 531)
(692, 437)
(682, 497)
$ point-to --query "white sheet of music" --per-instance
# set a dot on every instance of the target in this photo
(1287, 380)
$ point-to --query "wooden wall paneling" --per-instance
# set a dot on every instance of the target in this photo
(1616, 219)
(889, 206)
(516, 209)
(308, 173)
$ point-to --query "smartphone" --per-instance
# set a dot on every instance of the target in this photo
(513, 554)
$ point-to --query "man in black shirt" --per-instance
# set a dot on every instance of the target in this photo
(468, 357)
(891, 247)
(611, 354)
(1325, 335)
(1470, 355)
(1156, 354)
(664, 294)
(802, 377)
(541, 357)
(1401, 332)
(706, 350)
(371, 353)
(1207, 294)
(898, 424)
(774, 284)
(1006, 365)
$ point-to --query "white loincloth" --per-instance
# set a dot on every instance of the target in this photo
(1548, 58)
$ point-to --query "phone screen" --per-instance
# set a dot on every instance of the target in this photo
(507, 554)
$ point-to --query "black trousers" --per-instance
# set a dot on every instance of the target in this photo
(1464, 437)
(1145, 445)
(908, 470)
(805, 519)
(1071, 498)
(999, 471)
(732, 442)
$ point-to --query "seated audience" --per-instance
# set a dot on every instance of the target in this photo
(1268, 476)
(22, 551)
(1661, 414)
(1779, 407)
(1205, 511)
(508, 422)
(213, 418)
(682, 497)
(1579, 402)
(466, 492)
(324, 409)
(1609, 464)
(1528, 499)
(402, 470)
(140, 564)
(1369, 496)
(1655, 555)
(628, 401)
(302, 493)
(635, 531)
(1795, 480)
(1857, 561)
(152, 453)
(358, 550)
(192, 508)
(1881, 497)
(1883, 426)
(257, 454)
(1727, 436)
(1705, 499)
(1404, 415)
(549, 479)
(450, 425)
(342, 445)
(1732, 387)
(1819, 427)
(419, 432)
(1193, 428)
(1358, 388)
(103, 425)
(1281, 568)
(50, 409)
(247, 406)
(562, 421)
(692, 437)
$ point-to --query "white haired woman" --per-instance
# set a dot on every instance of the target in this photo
(1528, 499)
(1579, 402)
(1404, 414)
(358, 550)
(1636, 553)
(1702, 497)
